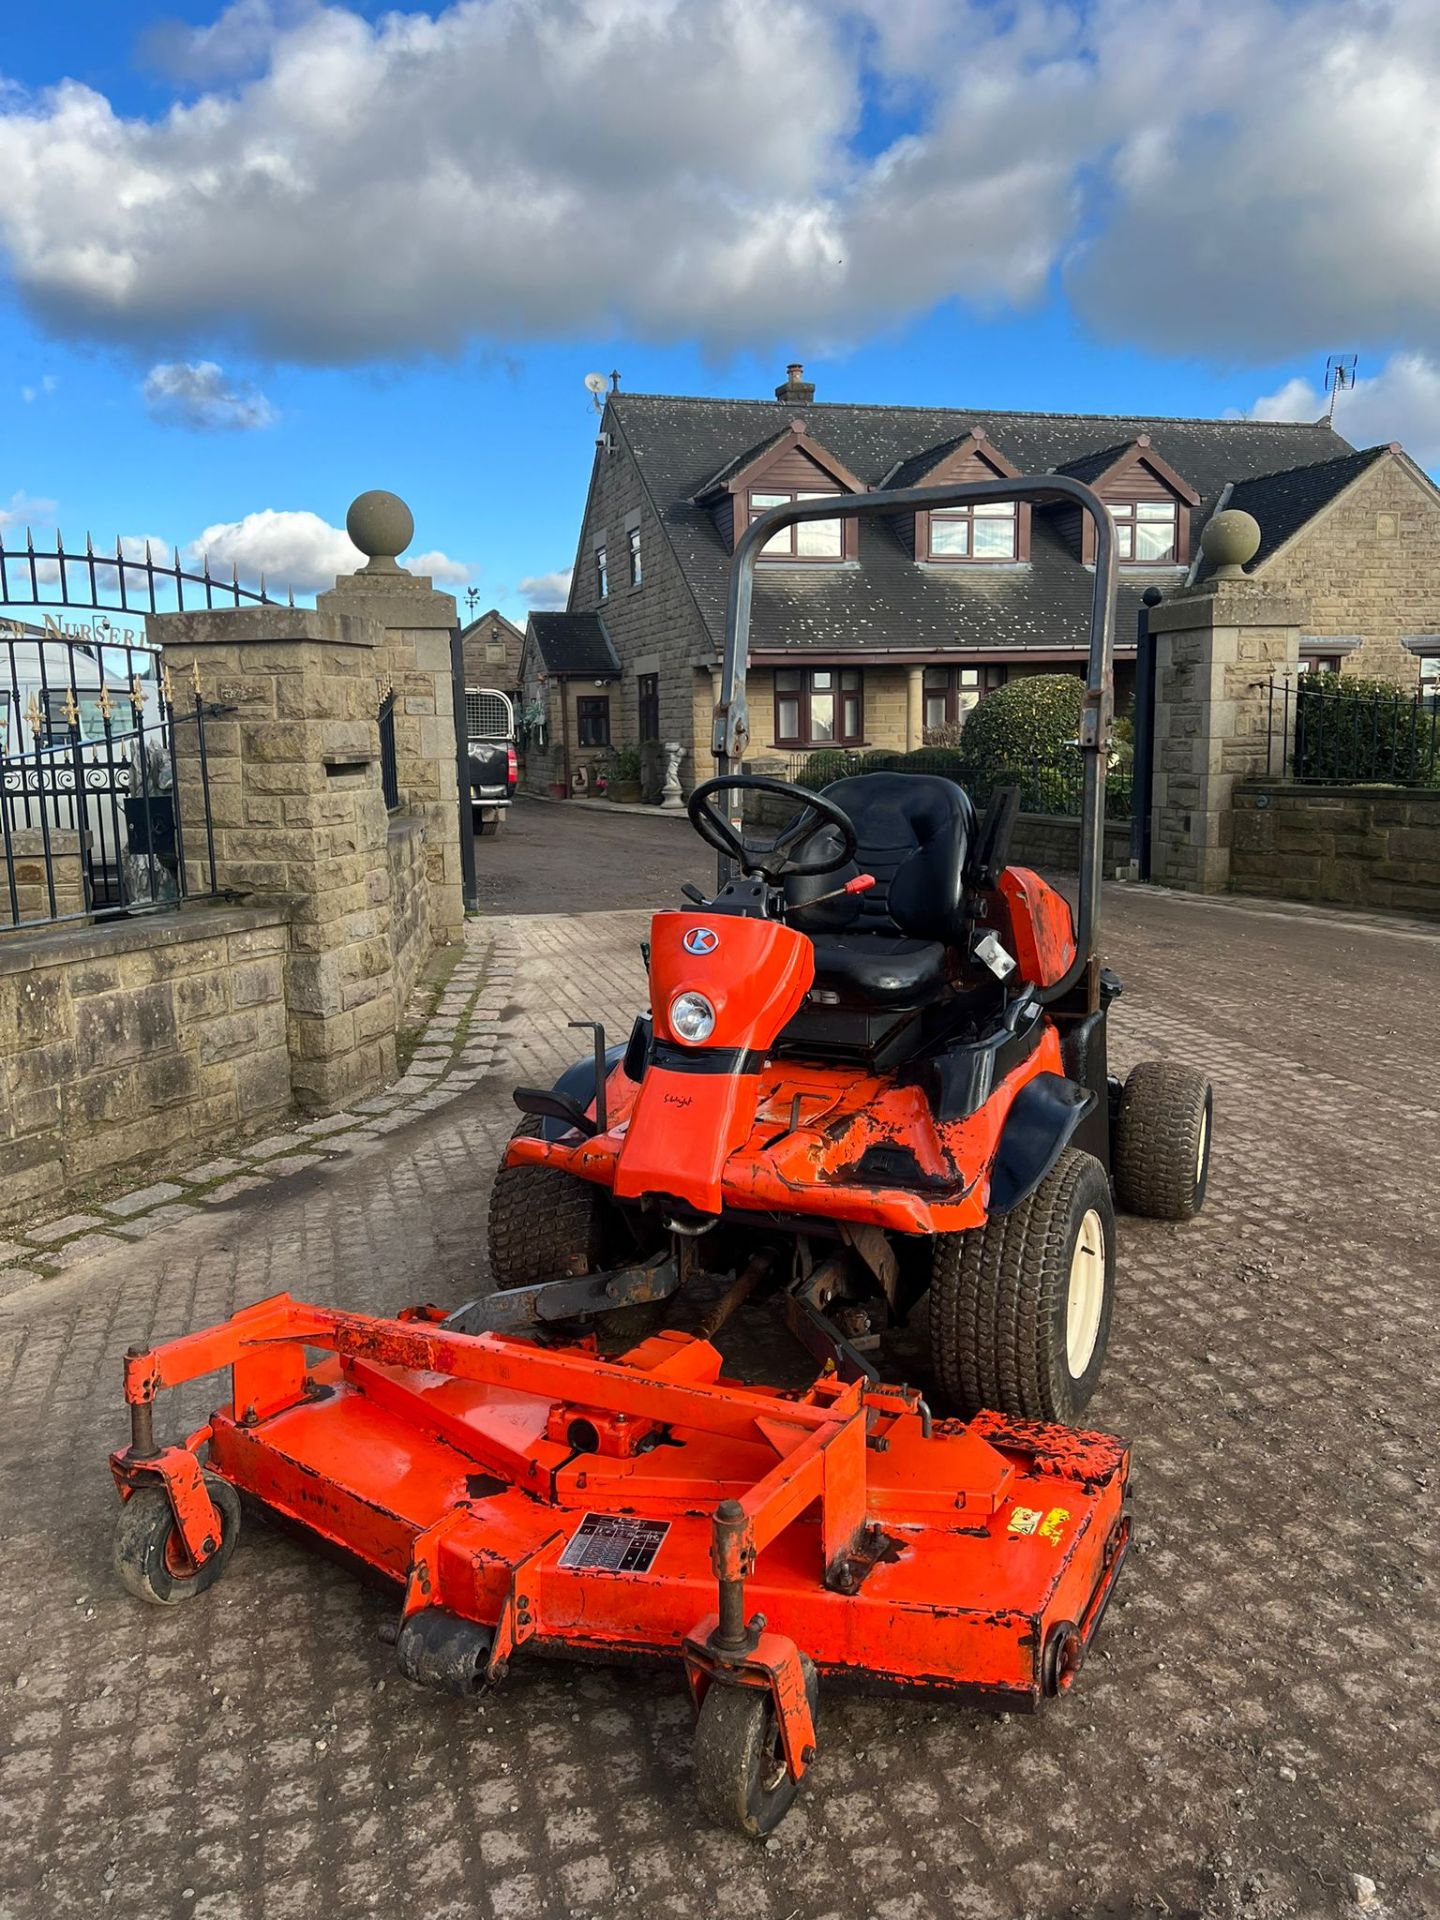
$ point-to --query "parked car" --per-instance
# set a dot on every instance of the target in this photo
(494, 768)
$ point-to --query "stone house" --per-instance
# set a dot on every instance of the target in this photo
(492, 646)
(568, 673)
(874, 635)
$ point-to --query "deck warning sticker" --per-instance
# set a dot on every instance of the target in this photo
(614, 1543)
(1024, 1520)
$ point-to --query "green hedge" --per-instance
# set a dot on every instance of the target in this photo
(1352, 730)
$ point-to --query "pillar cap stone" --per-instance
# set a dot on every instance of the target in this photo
(382, 527)
(1230, 541)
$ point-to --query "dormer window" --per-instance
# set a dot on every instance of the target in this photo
(1146, 531)
(986, 532)
(785, 468)
(810, 540)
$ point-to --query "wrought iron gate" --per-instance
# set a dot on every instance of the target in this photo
(93, 733)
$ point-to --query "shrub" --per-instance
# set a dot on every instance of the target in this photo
(827, 764)
(622, 766)
(1025, 723)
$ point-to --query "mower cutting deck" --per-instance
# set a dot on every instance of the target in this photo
(537, 1497)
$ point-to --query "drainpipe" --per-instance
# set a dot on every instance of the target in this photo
(564, 685)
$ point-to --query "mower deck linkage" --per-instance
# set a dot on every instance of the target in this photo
(539, 1496)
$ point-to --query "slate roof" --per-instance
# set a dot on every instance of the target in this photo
(1283, 502)
(574, 643)
(888, 602)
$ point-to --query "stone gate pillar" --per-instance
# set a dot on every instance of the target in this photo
(298, 814)
(1218, 646)
(417, 623)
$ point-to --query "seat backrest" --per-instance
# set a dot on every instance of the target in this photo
(913, 832)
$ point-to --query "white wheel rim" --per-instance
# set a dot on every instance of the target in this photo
(1202, 1144)
(1087, 1294)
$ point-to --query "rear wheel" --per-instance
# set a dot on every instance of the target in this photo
(1020, 1308)
(1162, 1141)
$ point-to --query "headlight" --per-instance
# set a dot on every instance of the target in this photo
(692, 1018)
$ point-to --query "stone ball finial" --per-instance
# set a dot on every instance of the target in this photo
(1230, 541)
(381, 526)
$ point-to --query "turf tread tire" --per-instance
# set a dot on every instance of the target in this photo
(1163, 1108)
(543, 1223)
(998, 1295)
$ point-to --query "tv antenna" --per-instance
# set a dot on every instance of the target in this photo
(1339, 377)
(595, 386)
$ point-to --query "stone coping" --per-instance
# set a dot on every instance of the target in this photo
(266, 626)
(1307, 790)
(22, 952)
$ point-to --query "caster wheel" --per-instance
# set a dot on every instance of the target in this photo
(150, 1556)
(740, 1774)
(439, 1649)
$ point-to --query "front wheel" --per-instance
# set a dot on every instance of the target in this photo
(1020, 1308)
(151, 1558)
(1162, 1141)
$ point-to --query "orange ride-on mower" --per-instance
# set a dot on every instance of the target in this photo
(873, 1070)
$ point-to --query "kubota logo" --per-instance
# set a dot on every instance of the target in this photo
(701, 940)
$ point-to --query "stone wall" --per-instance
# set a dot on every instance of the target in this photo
(32, 890)
(1362, 846)
(409, 898)
(143, 1037)
(1051, 842)
(1369, 566)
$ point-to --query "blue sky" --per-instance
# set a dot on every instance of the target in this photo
(255, 259)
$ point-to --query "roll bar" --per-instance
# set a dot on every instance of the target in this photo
(731, 734)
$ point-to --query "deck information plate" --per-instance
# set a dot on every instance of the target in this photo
(614, 1543)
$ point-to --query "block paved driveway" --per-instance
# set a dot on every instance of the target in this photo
(1253, 1730)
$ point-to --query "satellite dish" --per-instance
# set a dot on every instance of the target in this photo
(595, 383)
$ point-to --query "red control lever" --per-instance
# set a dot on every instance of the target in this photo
(862, 883)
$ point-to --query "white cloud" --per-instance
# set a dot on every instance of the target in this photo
(440, 567)
(42, 389)
(27, 510)
(1237, 183)
(200, 395)
(546, 592)
(298, 551)
(235, 43)
(1401, 402)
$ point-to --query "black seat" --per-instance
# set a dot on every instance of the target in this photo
(887, 947)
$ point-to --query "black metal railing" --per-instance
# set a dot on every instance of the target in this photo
(1336, 729)
(133, 582)
(1051, 785)
(389, 767)
(91, 820)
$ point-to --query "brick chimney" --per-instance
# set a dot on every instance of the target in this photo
(797, 390)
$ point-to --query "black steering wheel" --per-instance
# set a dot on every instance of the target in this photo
(771, 859)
